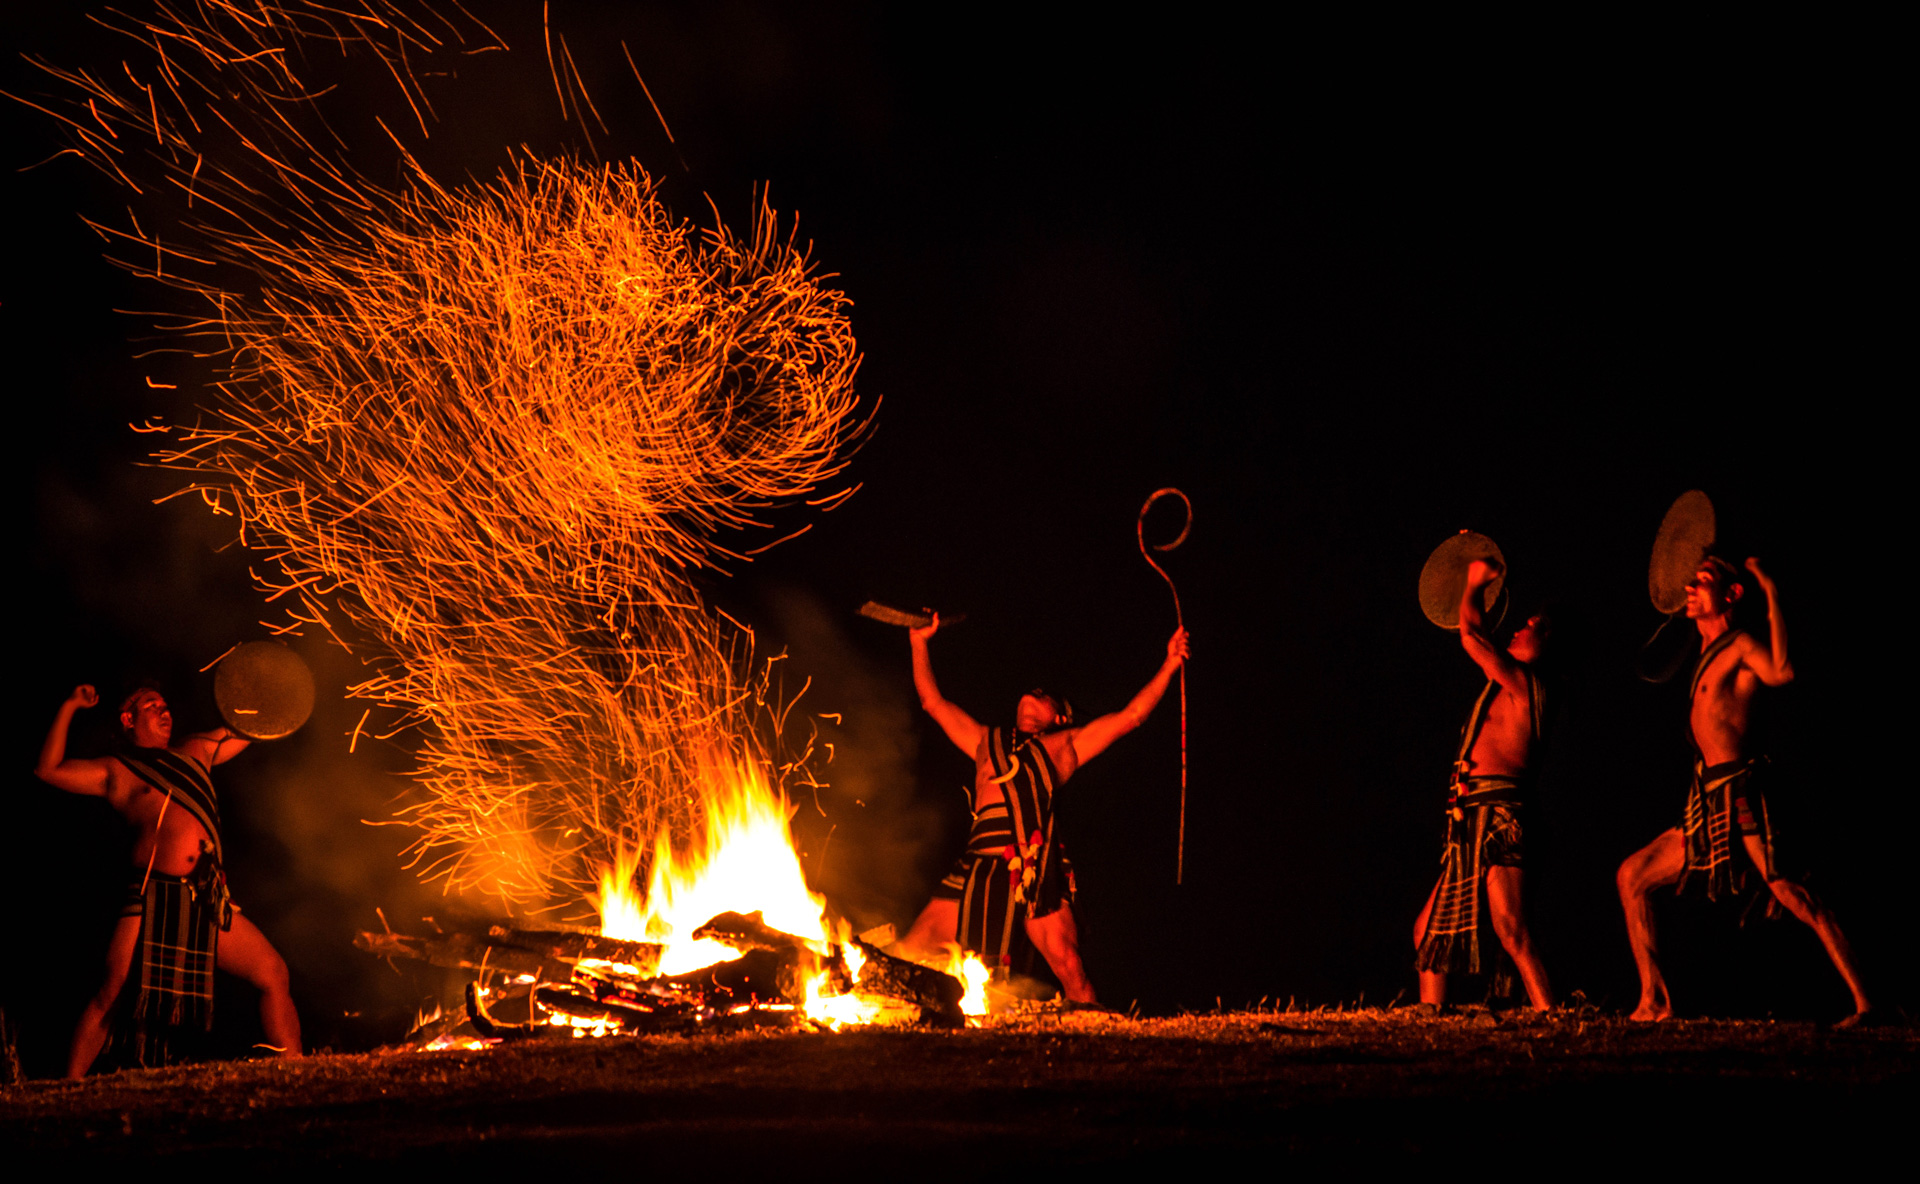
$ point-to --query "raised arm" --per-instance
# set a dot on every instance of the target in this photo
(961, 728)
(1092, 740)
(1499, 665)
(75, 776)
(1770, 664)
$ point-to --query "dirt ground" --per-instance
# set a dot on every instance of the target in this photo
(1346, 1087)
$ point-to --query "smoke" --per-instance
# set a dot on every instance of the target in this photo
(866, 835)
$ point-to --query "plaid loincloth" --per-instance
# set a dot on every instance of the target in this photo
(1725, 801)
(1483, 830)
(167, 1003)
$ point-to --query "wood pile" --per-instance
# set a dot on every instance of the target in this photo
(578, 981)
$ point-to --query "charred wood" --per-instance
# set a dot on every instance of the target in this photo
(937, 993)
(460, 950)
(487, 1026)
(748, 931)
(573, 945)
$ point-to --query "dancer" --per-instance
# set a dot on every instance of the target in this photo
(1481, 865)
(1012, 871)
(1725, 831)
(177, 918)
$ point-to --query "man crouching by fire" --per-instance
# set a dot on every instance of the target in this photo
(1013, 871)
(177, 908)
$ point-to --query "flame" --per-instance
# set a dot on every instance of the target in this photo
(745, 863)
(973, 974)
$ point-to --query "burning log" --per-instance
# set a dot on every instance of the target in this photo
(461, 951)
(575, 945)
(486, 1025)
(543, 953)
(748, 931)
(758, 976)
(937, 994)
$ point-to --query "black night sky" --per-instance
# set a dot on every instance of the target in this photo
(1352, 289)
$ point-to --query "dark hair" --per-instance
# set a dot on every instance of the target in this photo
(1727, 570)
(136, 689)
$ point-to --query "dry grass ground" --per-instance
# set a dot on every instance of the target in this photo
(1356, 1086)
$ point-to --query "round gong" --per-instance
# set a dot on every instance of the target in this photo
(264, 690)
(1678, 550)
(1443, 581)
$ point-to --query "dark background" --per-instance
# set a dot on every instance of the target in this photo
(1351, 289)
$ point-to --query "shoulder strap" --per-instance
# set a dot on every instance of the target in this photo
(1713, 650)
(183, 780)
(1476, 719)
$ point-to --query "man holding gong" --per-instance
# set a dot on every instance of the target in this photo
(1725, 831)
(178, 923)
(1479, 889)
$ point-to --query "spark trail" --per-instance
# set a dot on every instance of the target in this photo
(496, 429)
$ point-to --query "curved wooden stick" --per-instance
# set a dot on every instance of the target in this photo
(1140, 533)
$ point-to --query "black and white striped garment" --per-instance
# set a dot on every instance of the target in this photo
(1026, 876)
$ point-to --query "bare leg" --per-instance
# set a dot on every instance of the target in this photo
(1058, 940)
(1656, 865)
(244, 951)
(1433, 984)
(1509, 922)
(1807, 907)
(90, 1034)
(932, 931)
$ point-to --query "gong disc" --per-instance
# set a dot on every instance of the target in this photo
(1678, 550)
(264, 690)
(1443, 581)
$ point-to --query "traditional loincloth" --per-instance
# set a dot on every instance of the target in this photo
(167, 1001)
(166, 1006)
(1723, 801)
(1483, 830)
(1003, 879)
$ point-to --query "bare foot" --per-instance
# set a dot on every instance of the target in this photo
(1859, 1019)
(1651, 1013)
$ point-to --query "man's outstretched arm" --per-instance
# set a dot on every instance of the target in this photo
(1497, 663)
(86, 777)
(961, 728)
(215, 747)
(1771, 664)
(1092, 740)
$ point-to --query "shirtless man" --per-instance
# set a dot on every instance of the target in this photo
(1725, 830)
(174, 847)
(1490, 783)
(1013, 868)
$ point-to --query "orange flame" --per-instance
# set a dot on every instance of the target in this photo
(744, 863)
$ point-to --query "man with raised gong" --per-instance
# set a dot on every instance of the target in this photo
(1725, 831)
(1012, 871)
(177, 923)
(1481, 864)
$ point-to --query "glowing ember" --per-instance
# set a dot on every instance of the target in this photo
(497, 428)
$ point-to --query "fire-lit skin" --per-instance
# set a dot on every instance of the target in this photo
(1503, 749)
(1719, 717)
(173, 844)
(1054, 935)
